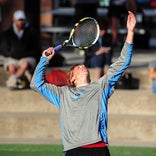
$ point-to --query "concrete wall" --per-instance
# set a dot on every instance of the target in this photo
(26, 117)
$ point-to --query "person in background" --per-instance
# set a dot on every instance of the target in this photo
(82, 103)
(117, 10)
(152, 75)
(85, 8)
(99, 56)
(20, 47)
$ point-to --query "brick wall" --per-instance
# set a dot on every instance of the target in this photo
(7, 10)
(46, 19)
(9, 6)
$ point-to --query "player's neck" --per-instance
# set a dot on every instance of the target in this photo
(82, 83)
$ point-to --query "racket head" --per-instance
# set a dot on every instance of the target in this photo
(84, 34)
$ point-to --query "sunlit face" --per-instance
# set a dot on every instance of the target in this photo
(79, 74)
(80, 70)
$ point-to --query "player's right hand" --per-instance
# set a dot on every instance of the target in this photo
(49, 52)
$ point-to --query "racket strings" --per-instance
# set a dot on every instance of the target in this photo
(85, 33)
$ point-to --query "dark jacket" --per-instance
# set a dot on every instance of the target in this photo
(90, 52)
(28, 45)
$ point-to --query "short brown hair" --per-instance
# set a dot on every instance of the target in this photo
(70, 74)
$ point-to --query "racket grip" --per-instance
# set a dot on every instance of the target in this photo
(57, 48)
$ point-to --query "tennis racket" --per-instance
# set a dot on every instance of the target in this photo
(84, 34)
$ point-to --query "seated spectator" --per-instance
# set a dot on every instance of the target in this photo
(99, 56)
(116, 11)
(152, 75)
(20, 48)
(84, 8)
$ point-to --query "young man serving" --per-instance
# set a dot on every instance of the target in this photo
(83, 104)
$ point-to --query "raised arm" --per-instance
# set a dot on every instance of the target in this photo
(122, 63)
(38, 83)
(131, 22)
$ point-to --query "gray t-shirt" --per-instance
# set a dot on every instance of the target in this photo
(83, 110)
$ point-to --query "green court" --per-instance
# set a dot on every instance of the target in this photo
(56, 150)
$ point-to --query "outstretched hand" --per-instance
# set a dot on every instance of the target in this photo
(131, 21)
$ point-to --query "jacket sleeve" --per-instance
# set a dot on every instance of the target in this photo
(117, 69)
(38, 83)
(4, 44)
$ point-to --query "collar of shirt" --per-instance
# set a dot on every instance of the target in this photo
(19, 34)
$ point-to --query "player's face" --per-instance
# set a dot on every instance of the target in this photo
(81, 74)
(80, 70)
(78, 75)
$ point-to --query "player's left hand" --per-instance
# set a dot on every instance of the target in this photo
(131, 21)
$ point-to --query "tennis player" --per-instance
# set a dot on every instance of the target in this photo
(83, 104)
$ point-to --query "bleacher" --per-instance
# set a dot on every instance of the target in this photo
(57, 29)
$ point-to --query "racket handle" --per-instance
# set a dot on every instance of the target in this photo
(57, 48)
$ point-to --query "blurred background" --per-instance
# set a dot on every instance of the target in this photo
(54, 18)
(26, 117)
